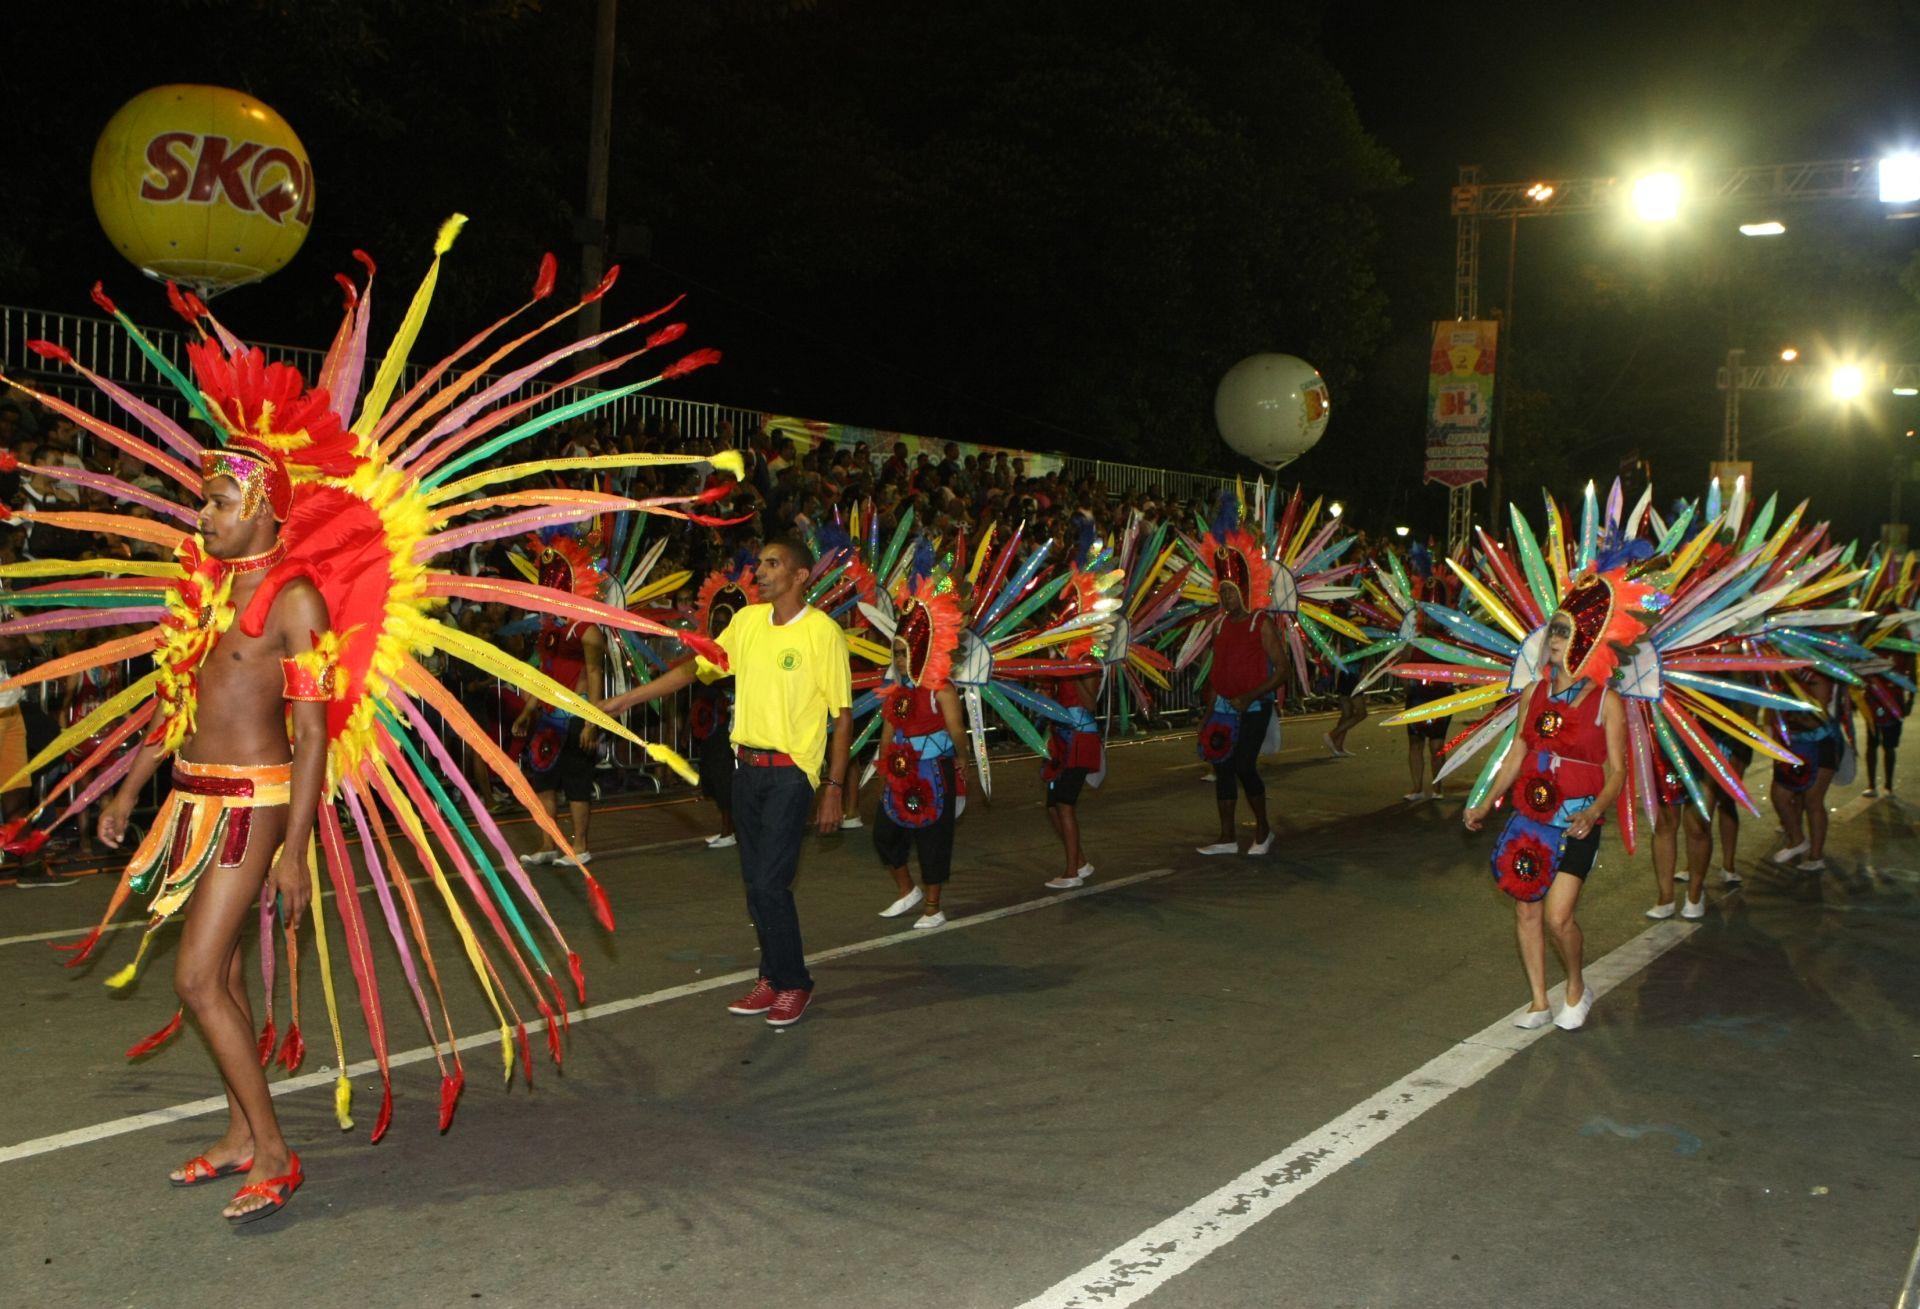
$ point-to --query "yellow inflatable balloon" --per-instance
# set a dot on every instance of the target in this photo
(202, 185)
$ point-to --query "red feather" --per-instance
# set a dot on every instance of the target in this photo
(606, 285)
(100, 298)
(666, 308)
(526, 1051)
(293, 1050)
(48, 350)
(543, 280)
(80, 950)
(352, 292)
(385, 1120)
(687, 364)
(602, 911)
(560, 1002)
(579, 976)
(450, 1088)
(553, 1032)
(180, 304)
(667, 335)
(159, 1038)
(366, 261)
(29, 845)
(267, 1037)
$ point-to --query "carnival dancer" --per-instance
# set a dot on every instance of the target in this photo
(725, 592)
(323, 510)
(1244, 690)
(920, 768)
(1076, 754)
(1567, 766)
(791, 677)
(244, 799)
(562, 750)
(1800, 789)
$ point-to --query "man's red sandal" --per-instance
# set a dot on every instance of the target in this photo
(278, 1190)
(200, 1169)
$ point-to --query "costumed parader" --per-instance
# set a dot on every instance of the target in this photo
(1267, 580)
(725, 593)
(559, 750)
(1887, 698)
(1076, 749)
(920, 732)
(1667, 634)
(1389, 610)
(287, 634)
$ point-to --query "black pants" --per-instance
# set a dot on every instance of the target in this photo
(1242, 767)
(933, 843)
(770, 817)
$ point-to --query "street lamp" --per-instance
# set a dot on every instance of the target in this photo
(1900, 178)
(1772, 227)
(1336, 509)
(1788, 355)
(1657, 196)
(1401, 531)
(1847, 382)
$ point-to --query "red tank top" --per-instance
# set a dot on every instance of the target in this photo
(914, 712)
(1240, 662)
(1566, 749)
(563, 656)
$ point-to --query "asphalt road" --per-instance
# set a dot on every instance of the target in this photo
(1196, 1082)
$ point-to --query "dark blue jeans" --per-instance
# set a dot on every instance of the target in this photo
(770, 817)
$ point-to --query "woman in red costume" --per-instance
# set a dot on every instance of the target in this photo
(1566, 767)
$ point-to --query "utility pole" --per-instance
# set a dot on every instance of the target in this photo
(592, 230)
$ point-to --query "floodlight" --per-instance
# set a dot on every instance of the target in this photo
(1772, 227)
(1788, 355)
(1656, 197)
(1900, 178)
(1848, 382)
(1401, 531)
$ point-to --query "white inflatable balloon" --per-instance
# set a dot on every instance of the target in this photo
(1272, 408)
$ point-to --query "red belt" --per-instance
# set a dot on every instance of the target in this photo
(764, 758)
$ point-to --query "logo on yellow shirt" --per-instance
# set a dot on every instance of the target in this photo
(789, 659)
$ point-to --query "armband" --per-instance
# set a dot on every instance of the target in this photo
(314, 675)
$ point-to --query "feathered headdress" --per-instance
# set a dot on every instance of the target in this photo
(275, 431)
(725, 593)
(930, 623)
(1236, 557)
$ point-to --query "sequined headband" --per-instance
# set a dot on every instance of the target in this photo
(259, 481)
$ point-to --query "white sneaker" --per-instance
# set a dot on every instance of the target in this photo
(1207, 778)
(1729, 878)
(1662, 910)
(1871, 793)
(1414, 797)
(1694, 909)
(904, 903)
(1812, 866)
(1792, 852)
(1529, 1019)
(1067, 881)
(1261, 847)
(581, 858)
(1681, 875)
(851, 822)
(926, 922)
(726, 842)
(1574, 1016)
(539, 858)
(1220, 847)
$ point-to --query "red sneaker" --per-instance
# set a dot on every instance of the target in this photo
(757, 1001)
(787, 1008)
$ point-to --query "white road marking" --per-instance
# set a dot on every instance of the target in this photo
(1135, 1270)
(491, 1039)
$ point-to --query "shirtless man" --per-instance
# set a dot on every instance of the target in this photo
(239, 738)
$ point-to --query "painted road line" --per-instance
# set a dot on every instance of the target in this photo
(1135, 1270)
(491, 1039)
(598, 855)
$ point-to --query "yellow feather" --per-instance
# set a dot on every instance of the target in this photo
(1489, 601)
(343, 1103)
(1456, 703)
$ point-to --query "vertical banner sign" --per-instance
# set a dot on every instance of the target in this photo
(1460, 402)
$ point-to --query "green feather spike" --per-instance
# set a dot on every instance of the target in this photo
(1013, 718)
(1546, 593)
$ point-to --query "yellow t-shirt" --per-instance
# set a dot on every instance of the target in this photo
(787, 682)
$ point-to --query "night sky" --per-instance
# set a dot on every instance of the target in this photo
(1055, 225)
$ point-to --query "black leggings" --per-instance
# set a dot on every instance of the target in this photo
(1242, 767)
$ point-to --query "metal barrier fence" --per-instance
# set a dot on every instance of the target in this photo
(100, 344)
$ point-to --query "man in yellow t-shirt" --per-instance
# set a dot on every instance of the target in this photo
(790, 677)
